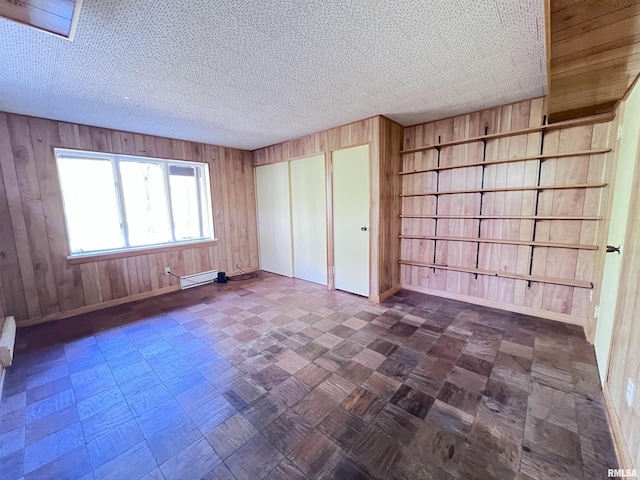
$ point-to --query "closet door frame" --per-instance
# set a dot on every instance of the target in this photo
(373, 223)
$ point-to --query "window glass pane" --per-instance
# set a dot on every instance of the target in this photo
(205, 202)
(184, 202)
(90, 203)
(145, 203)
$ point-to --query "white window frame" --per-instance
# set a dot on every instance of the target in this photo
(203, 193)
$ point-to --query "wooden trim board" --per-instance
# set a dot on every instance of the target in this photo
(501, 217)
(499, 241)
(622, 452)
(601, 118)
(101, 306)
(98, 306)
(508, 189)
(381, 298)
(558, 317)
(581, 153)
(79, 259)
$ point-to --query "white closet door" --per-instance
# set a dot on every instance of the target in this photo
(351, 219)
(274, 218)
(309, 219)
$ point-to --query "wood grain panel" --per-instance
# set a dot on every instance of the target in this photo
(32, 208)
(525, 222)
(105, 280)
(33, 239)
(45, 137)
(390, 187)
(16, 231)
(593, 57)
(90, 274)
(9, 266)
(624, 359)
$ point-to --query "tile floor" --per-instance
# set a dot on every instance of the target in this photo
(278, 378)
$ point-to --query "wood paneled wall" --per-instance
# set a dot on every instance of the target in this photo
(352, 134)
(624, 357)
(552, 301)
(38, 281)
(383, 137)
(391, 138)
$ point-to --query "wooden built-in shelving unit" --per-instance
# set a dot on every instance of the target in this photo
(474, 171)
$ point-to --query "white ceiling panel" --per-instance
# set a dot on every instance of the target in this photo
(250, 73)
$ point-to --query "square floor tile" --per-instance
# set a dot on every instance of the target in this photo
(254, 460)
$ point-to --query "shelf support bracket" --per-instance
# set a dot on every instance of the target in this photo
(484, 159)
(537, 203)
(435, 242)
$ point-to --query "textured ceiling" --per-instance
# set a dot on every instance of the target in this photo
(250, 73)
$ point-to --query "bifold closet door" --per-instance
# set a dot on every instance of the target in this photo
(274, 218)
(351, 219)
(309, 218)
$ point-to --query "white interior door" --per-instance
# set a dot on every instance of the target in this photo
(351, 219)
(309, 218)
(274, 218)
(623, 190)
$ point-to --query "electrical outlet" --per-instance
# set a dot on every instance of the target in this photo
(167, 270)
(631, 390)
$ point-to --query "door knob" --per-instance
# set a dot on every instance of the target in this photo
(611, 249)
(364, 229)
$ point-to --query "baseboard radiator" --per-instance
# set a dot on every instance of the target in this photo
(197, 279)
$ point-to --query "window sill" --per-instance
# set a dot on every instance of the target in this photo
(136, 252)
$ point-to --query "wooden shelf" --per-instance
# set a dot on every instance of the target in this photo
(581, 153)
(508, 189)
(503, 242)
(498, 217)
(531, 278)
(605, 117)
